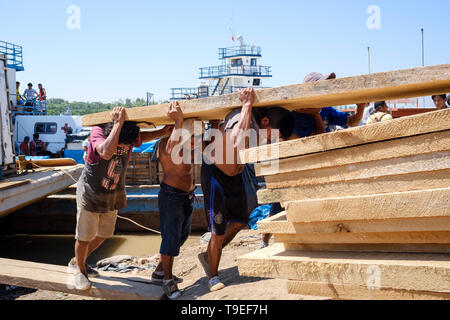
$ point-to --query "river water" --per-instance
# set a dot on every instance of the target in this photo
(59, 249)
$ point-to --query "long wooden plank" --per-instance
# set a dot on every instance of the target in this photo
(408, 83)
(388, 184)
(280, 225)
(371, 247)
(412, 204)
(55, 278)
(4, 185)
(365, 170)
(436, 237)
(405, 271)
(404, 147)
(398, 128)
(354, 292)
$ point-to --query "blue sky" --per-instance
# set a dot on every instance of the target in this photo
(126, 48)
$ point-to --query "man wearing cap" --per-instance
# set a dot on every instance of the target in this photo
(381, 113)
(176, 197)
(316, 121)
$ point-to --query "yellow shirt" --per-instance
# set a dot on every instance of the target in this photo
(18, 95)
(379, 117)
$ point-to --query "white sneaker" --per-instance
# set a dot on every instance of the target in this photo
(81, 282)
(215, 284)
(73, 268)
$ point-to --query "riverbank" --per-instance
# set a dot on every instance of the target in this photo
(195, 285)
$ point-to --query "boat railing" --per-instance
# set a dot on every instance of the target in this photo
(202, 92)
(238, 51)
(14, 55)
(33, 107)
(229, 70)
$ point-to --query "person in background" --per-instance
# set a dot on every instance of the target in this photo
(37, 146)
(25, 147)
(101, 189)
(42, 97)
(448, 101)
(175, 200)
(381, 113)
(30, 95)
(315, 121)
(85, 147)
(439, 101)
(18, 96)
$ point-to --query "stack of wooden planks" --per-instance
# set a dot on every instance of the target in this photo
(367, 211)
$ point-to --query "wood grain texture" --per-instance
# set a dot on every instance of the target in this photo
(404, 147)
(366, 170)
(354, 292)
(398, 128)
(386, 184)
(55, 278)
(413, 204)
(370, 247)
(404, 271)
(436, 237)
(408, 83)
(280, 225)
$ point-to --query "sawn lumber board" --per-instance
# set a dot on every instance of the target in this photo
(407, 83)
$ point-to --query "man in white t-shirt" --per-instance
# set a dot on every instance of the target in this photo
(85, 146)
(30, 94)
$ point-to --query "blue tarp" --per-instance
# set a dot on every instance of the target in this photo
(76, 155)
(148, 147)
(260, 213)
(36, 158)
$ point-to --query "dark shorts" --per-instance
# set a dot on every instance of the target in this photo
(175, 215)
(275, 209)
(225, 199)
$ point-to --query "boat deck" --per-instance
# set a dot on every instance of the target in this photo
(25, 189)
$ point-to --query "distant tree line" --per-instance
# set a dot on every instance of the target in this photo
(59, 106)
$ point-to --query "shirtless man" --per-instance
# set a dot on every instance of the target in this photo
(176, 201)
(222, 182)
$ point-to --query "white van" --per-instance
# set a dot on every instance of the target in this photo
(51, 129)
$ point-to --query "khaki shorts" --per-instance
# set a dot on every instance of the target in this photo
(91, 225)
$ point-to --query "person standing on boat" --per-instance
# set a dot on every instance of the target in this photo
(30, 95)
(42, 98)
(101, 189)
(176, 198)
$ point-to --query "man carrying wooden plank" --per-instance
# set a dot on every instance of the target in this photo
(222, 182)
(101, 189)
(315, 121)
(176, 199)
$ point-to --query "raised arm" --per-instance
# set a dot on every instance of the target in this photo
(355, 120)
(150, 136)
(176, 114)
(247, 97)
(107, 149)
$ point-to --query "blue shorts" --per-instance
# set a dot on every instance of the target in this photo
(175, 216)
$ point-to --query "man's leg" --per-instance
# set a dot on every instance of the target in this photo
(214, 254)
(167, 265)
(232, 230)
(81, 253)
(91, 247)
